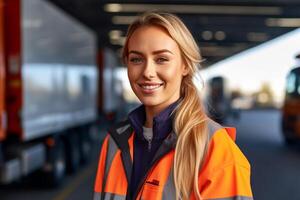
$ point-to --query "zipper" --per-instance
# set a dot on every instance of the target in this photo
(142, 181)
(152, 165)
(149, 144)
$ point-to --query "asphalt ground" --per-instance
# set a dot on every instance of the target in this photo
(274, 166)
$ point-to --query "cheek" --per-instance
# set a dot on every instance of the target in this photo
(132, 74)
(172, 75)
(133, 77)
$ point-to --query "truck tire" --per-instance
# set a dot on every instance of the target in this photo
(290, 141)
(73, 151)
(56, 164)
(85, 145)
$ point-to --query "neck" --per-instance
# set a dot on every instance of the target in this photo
(151, 112)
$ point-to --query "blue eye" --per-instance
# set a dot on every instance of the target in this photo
(161, 60)
(135, 60)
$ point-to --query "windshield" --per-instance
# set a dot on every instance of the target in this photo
(293, 85)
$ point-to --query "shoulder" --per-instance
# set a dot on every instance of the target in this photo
(222, 150)
(120, 127)
(225, 171)
(120, 133)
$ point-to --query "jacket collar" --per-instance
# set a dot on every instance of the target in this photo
(162, 123)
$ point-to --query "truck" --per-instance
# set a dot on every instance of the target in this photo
(48, 91)
(290, 112)
(218, 103)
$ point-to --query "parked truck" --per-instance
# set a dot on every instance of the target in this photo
(290, 113)
(48, 91)
(218, 103)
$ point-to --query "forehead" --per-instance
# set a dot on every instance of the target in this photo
(151, 38)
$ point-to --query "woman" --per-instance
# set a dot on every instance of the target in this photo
(168, 148)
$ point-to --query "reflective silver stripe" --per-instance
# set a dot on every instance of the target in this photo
(234, 198)
(212, 127)
(108, 196)
(169, 191)
(97, 196)
(122, 129)
(111, 152)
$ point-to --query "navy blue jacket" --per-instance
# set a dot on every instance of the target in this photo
(162, 126)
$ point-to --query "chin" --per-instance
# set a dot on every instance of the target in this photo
(150, 102)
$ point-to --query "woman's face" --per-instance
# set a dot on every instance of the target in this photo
(155, 67)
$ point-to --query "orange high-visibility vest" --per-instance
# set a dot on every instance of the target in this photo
(225, 173)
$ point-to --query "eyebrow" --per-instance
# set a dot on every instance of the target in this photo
(154, 52)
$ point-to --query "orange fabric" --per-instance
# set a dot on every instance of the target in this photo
(116, 185)
(226, 171)
(116, 177)
(101, 166)
(159, 176)
(231, 132)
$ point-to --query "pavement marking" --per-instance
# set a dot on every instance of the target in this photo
(67, 191)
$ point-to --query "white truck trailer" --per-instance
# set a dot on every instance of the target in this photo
(48, 90)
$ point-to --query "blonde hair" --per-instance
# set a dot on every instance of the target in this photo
(190, 118)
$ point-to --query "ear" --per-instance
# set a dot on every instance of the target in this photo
(186, 70)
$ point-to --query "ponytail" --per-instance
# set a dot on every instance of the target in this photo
(190, 126)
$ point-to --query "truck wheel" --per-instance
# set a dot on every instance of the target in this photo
(289, 141)
(56, 165)
(73, 151)
(85, 146)
(288, 136)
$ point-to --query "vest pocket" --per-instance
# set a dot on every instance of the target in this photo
(152, 192)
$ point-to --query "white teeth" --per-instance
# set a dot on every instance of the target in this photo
(150, 87)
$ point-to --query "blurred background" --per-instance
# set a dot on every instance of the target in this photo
(62, 83)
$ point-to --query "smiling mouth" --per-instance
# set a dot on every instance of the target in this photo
(150, 88)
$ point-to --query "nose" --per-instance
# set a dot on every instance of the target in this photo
(149, 70)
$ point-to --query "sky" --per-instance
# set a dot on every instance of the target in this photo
(269, 63)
